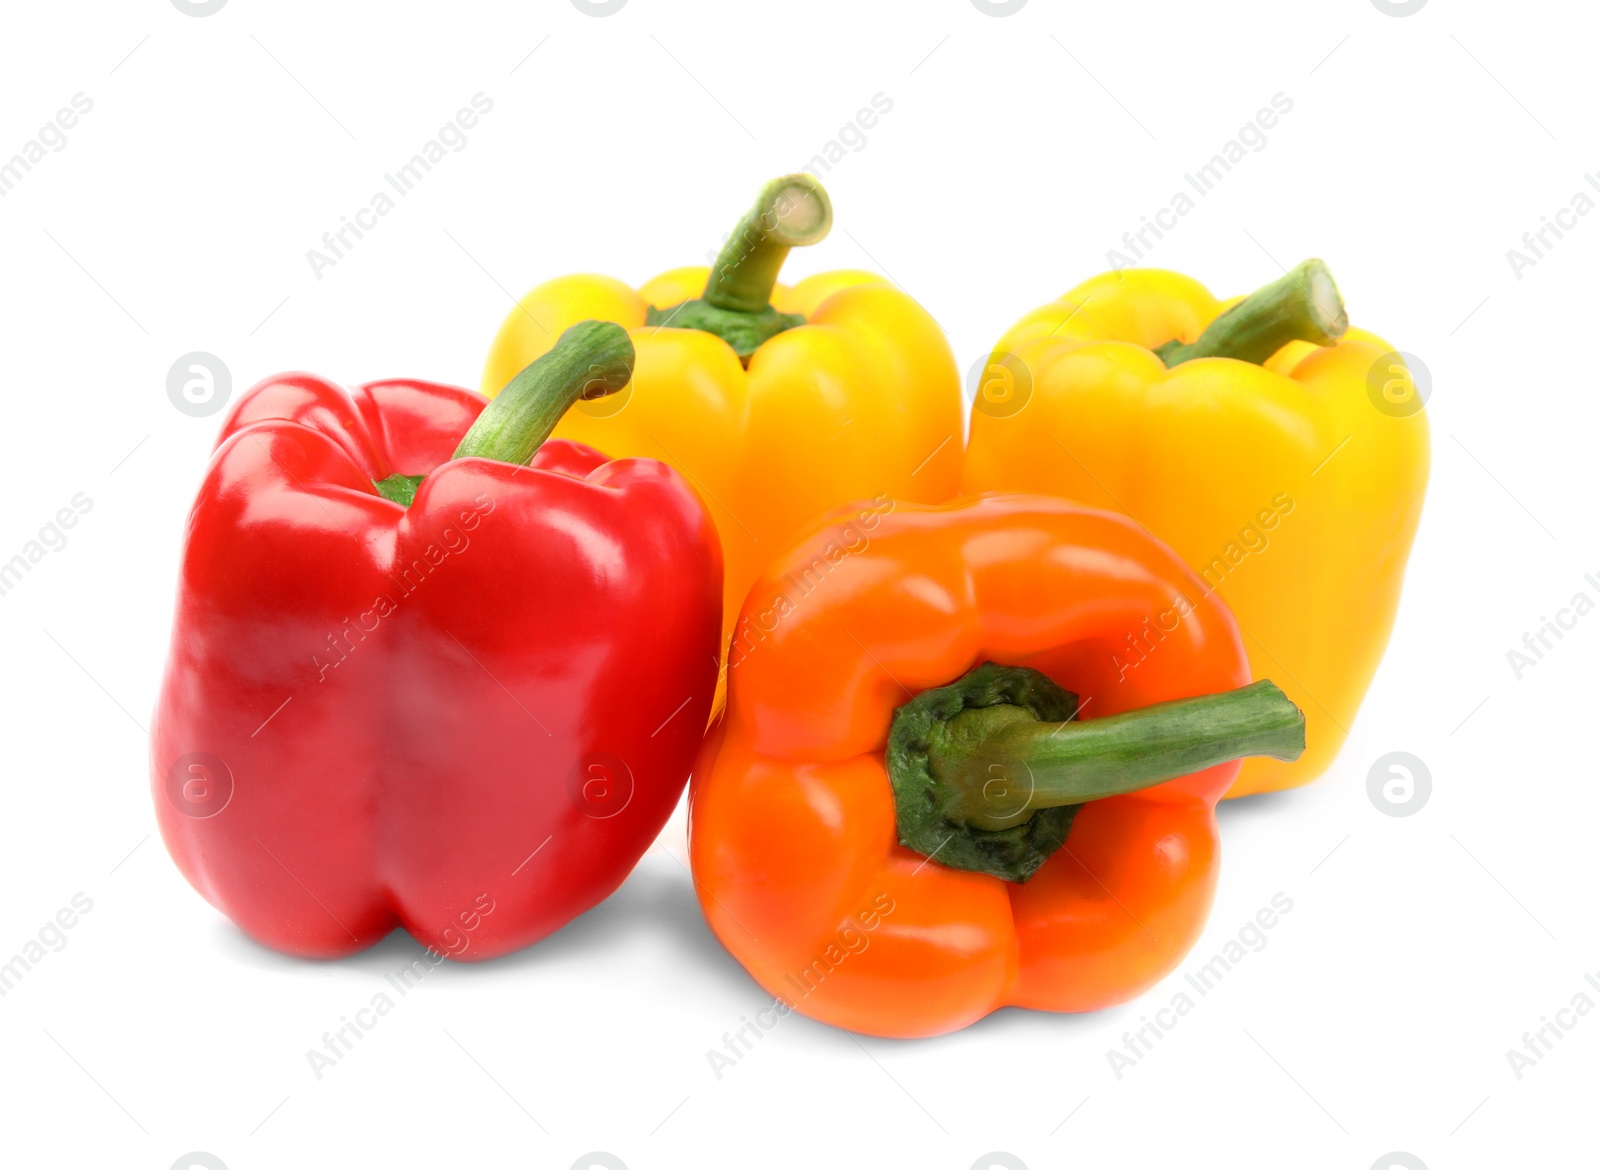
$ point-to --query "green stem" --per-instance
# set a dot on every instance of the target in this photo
(1302, 305)
(988, 772)
(790, 212)
(1047, 765)
(590, 360)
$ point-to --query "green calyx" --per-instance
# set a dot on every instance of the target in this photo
(399, 489)
(744, 332)
(793, 211)
(590, 360)
(919, 732)
(989, 772)
(1302, 305)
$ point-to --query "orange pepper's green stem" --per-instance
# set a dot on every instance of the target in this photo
(988, 772)
(1000, 763)
(1302, 305)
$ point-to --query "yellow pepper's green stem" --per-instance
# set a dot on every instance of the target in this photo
(790, 212)
(1302, 305)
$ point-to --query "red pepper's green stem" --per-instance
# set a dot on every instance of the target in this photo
(988, 772)
(789, 212)
(1302, 305)
(999, 764)
(590, 360)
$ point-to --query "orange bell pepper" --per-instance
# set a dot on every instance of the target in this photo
(904, 822)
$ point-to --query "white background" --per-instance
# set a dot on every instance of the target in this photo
(1019, 149)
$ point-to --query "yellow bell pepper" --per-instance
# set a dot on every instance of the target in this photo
(1283, 456)
(778, 404)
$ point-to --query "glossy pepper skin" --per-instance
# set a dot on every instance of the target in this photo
(1283, 484)
(468, 717)
(793, 826)
(860, 400)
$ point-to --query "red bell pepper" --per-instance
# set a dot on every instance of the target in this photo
(470, 715)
